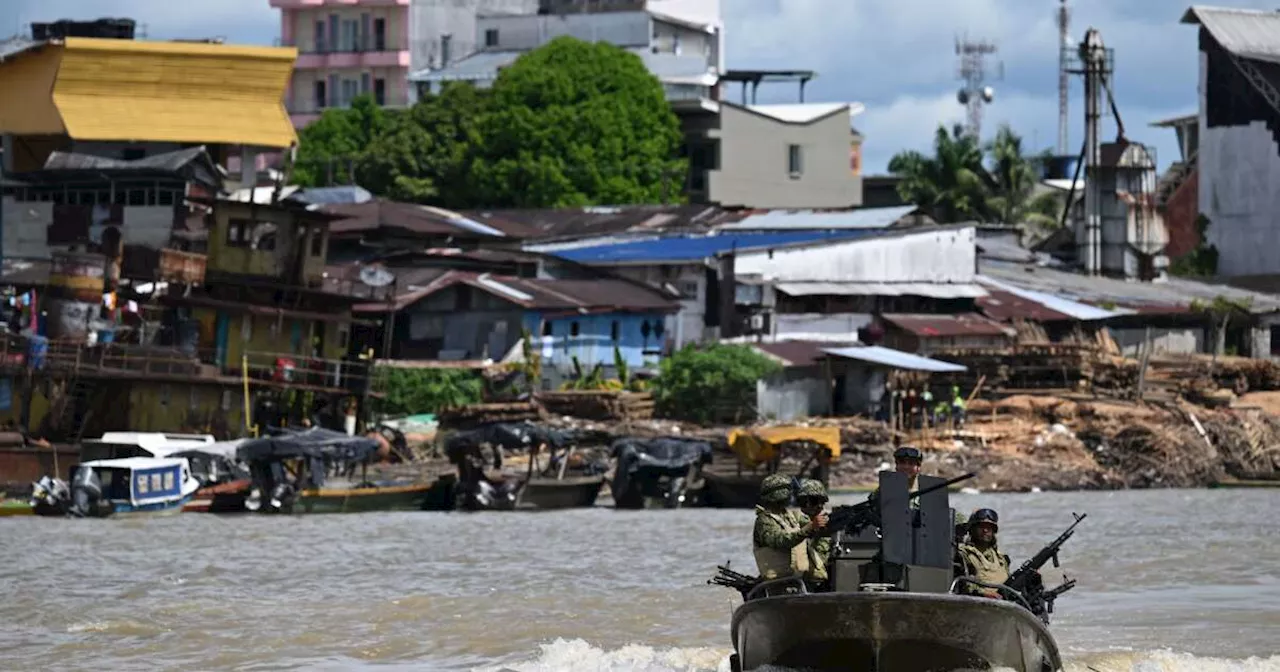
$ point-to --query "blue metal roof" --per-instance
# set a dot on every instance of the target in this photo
(895, 359)
(782, 220)
(676, 249)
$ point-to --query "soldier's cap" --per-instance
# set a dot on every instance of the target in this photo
(908, 453)
(812, 489)
(985, 516)
(775, 488)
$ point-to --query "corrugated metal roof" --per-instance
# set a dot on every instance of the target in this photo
(1006, 306)
(1249, 33)
(963, 324)
(801, 353)
(1050, 286)
(1052, 303)
(547, 294)
(895, 359)
(676, 249)
(934, 290)
(863, 218)
(376, 214)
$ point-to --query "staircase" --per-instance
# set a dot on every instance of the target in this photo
(1173, 179)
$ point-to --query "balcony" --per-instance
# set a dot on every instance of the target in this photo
(367, 55)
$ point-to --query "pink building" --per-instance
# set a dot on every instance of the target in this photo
(345, 48)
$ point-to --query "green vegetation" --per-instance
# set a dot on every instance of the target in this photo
(1220, 312)
(711, 383)
(568, 124)
(413, 391)
(1201, 262)
(963, 181)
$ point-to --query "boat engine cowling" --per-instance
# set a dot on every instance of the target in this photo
(86, 492)
(51, 492)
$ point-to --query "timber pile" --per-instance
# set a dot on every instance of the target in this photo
(474, 415)
(599, 404)
(1025, 367)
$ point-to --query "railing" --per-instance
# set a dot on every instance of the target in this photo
(285, 369)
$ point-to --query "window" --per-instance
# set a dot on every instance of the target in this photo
(546, 329)
(380, 91)
(238, 232)
(350, 89)
(613, 332)
(491, 37)
(446, 49)
(795, 166)
(317, 243)
(379, 34)
(574, 329)
(333, 32)
(350, 34)
(320, 95)
(365, 21)
(321, 42)
(366, 83)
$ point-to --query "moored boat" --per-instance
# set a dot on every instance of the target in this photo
(573, 492)
(658, 473)
(115, 487)
(758, 453)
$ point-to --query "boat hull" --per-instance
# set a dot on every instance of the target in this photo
(567, 493)
(355, 500)
(171, 507)
(897, 631)
(220, 498)
(725, 491)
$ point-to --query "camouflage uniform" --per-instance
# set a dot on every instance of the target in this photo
(987, 565)
(819, 546)
(779, 535)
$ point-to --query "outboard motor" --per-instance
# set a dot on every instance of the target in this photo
(281, 498)
(51, 494)
(86, 492)
(675, 494)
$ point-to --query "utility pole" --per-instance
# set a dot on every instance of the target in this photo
(1064, 59)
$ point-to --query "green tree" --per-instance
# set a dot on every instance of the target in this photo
(577, 123)
(1203, 260)
(952, 184)
(711, 383)
(331, 148)
(1015, 176)
(412, 391)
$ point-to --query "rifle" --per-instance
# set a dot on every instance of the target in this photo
(736, 580)
(1051, 595)
(852, 518)
(1019, 580)
(1040, 601)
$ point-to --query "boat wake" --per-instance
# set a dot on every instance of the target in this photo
(577, 655)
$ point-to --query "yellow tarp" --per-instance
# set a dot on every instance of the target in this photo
(760, 445)
(139, 91)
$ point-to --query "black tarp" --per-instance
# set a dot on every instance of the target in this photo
(320, 447)
(664, 453)
(517, 436)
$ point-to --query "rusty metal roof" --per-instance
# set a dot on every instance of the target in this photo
(408, 217)
(545, 294)
(561, 223)
(963, 324)
(800, 353)
(1006, 306)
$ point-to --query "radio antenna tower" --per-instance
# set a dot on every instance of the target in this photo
(973, 71)
(1064, 60)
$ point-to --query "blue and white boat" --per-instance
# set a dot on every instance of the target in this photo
(125, 486)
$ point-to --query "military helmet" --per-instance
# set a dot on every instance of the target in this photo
(908, 453)
(775, 489)
(812, 488)
(960, 520)
(985, 516)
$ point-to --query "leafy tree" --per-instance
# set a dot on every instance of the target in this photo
(574, 123)
(711, 383)
(1013, 199)
(412, 391)
(331, 147)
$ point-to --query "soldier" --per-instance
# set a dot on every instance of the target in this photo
(980, 557)
(906, 460)
(778, 540)
(812, 497)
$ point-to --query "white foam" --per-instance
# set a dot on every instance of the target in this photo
(576, 655)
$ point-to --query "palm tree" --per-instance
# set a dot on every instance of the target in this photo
(1013, 198)
(952, 184)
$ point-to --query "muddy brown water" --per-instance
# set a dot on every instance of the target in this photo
(1168, 580)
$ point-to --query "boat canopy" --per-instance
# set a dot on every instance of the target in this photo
(506, 435)
(314, 443)
(760, 445)
(664, 453)
(151, 480)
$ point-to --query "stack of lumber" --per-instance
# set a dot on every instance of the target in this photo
(599, 404)
(474, 415)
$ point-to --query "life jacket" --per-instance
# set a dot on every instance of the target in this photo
(773, 563)
(817, 550)
(989, 566)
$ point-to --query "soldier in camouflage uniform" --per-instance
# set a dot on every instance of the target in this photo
(906, 460)
(812, 497)
(980, 557)
(778, 540)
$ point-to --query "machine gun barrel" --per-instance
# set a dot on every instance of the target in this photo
(1018, 580)
(852, 518)
(1051, 595)
(736, 580)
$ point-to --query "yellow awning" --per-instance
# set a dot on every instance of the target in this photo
(129, 90)
(760, 445)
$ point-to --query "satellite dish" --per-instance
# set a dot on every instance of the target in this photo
(963, 96)
(988, 94)
(376, 276)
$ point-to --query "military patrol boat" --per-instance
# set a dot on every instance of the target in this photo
(894, 602)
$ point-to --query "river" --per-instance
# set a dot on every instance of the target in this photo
(1168, 580)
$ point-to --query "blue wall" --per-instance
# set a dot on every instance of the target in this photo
(594, 341)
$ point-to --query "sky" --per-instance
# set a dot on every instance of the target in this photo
(896, 57)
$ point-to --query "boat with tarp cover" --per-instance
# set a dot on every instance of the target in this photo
(313, 470)
(758, 452)
(893, 601)
(663, 472)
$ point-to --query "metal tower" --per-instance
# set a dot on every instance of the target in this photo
(973, 71)
(1064, 60)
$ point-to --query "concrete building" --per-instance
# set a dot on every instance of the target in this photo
(684, 50)
(1238, 141)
